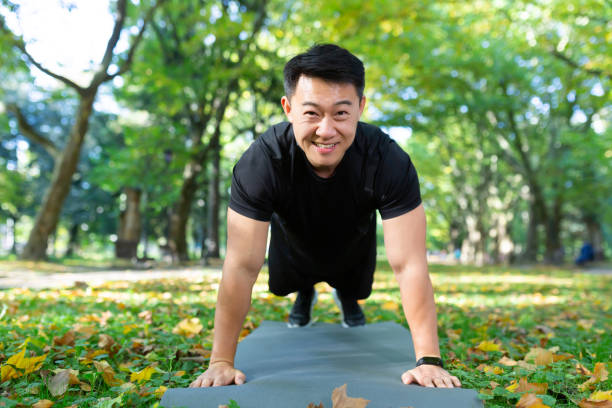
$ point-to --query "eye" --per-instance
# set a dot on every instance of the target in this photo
(342, 113)
(310, 113)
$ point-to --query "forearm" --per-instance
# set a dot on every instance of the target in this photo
(419, 308)
(233, 303)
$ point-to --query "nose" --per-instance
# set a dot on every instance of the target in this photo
(326, 128)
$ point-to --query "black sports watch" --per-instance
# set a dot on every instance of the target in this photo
(437, 361)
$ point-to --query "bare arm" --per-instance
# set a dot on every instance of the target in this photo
(406, 252)
(246, 249)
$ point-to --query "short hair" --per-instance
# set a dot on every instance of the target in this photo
(328, 62)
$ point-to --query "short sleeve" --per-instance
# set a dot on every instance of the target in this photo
(397, 184)
(252, 192)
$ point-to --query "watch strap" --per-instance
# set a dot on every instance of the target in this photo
(437, 361)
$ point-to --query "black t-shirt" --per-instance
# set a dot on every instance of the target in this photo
(274, 176)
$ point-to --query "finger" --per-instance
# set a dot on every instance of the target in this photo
(456, 381)
(195, 383)
(220, 381)
(439, 382)
(408, 378)
(239, 378)
(448, 382)
(206, 382)
(427, 382)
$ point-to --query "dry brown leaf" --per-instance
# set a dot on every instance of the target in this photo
(538, 388)
(147, 316)
(585, 403)
(89, 357)
(341, 400)
(108, 374)
(43, 404)
(530, 401)
(66, 340)
(58, 384)
(599, 374)
(312, 405)
(507, 361)
(108, 343)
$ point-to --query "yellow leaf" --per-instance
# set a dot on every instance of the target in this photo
(486, 345)
(108, 374)
(601, 396)
(128, 328)
(142, 375)
(89, 357)
(179, 373)
(599, 374)
(188, 327)
(159, 392)
(390, 306)
(43, 404)
(26, 365)
(540, 356)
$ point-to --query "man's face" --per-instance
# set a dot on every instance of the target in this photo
(324, 116)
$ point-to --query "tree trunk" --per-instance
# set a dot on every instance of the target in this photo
(554, 250)
(212, 239)
(530, 253)
(64, 168)
(128, 235)
(595, 235)
(73, 241)
(177, 234)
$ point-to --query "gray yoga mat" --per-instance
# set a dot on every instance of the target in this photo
(288, 368)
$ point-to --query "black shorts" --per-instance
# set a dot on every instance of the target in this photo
(292, 269)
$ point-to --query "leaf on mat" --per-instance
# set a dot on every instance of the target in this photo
(58, 384)
(312, 405)
(341, 400)
(188, 327)
(108, 374)
(530, 401)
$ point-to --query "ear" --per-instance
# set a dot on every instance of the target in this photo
(286, 106)
(362, 103)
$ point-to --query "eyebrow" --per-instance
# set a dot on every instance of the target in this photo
(342, 102)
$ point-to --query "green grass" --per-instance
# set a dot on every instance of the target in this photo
(518, 309)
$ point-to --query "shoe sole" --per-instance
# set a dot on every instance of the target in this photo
(310, 322)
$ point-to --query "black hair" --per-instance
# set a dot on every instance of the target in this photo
(328, 62)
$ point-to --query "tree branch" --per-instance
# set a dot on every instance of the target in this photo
(19, 43)
(28, 131)
(130, 55)
(574, 64)
(114, 38)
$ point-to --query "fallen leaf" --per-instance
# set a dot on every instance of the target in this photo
(601, 396)
(487, 345)
(341, 400)
(159, 391)
(108, 374)
(539, 356)
(599, 374)
(85, 331)
(588, 403)
(530, 401)
(26, 365)
(143, 375)
(43, 404)
(312, 405)
(390, 306)
(89, 357)
(109, 344)
(147, 316)
(525, 386)
(66, 340)
(58, 384)
(507, 361)
(188, 327)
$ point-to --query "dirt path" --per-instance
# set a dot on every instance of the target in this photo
(42, 280)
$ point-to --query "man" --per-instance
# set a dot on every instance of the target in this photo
(317, 181)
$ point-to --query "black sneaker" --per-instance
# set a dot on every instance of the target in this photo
(302, 309)
(352, 315)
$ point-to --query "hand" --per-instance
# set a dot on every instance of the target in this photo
(430, 376)
(218, 374)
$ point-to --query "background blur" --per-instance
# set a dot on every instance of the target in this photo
(120, 121)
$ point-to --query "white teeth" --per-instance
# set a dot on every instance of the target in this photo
(325, 146)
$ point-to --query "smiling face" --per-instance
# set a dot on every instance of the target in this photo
(324, 116)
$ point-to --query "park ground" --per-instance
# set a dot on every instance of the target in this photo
(526, 336)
